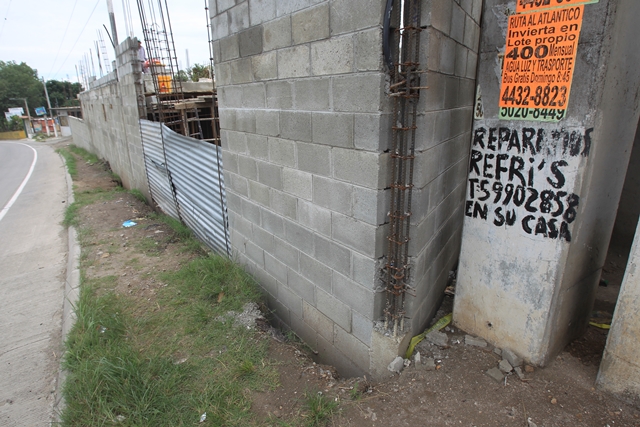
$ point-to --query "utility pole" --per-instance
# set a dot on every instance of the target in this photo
(26, 105)
(112, 19)
(46, 92)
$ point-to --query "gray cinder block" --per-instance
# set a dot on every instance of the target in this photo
(316, 272)
(313, 94)
(293, 62)
(332, 56)
(295, 125)
(277, 34)
(334, 309)
(250, 41)
(334, 129)
(310, 24)
(264, 66)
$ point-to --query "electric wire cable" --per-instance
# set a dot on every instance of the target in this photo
(78, 39)
(5, 19)
(53, 64)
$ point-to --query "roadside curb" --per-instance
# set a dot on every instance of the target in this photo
(71, 293)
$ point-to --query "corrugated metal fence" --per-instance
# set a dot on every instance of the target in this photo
(186, 182)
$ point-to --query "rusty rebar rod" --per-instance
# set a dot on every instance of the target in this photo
(405, 91)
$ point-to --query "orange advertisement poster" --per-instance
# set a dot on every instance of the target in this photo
(539, 59)
(526, 6)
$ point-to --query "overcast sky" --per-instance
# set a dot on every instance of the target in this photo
(33, 31)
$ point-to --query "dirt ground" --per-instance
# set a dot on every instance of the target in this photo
(458, 392)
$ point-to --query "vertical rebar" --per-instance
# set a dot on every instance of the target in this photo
(215, 125)
(165, 71)
(405, 90)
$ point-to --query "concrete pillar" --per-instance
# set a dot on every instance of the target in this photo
(542, 197)
(620, 367)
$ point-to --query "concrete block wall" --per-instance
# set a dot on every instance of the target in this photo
(305, 123)
(301, 97)
(449, 53)
(111, 117)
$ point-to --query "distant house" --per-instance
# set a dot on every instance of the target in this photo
(63, 114)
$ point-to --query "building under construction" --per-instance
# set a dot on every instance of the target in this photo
(371, 152)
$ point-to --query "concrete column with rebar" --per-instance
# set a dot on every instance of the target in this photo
(306, 129)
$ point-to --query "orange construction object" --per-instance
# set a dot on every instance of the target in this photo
(164, 84)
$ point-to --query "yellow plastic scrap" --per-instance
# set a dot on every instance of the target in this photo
(600, 325)
(444, 321)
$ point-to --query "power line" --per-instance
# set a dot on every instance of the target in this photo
(5, 19)
(79, 35)
(63, 37)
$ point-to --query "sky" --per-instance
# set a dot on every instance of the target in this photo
(52, 36)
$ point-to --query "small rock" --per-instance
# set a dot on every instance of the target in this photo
(407, 363)
(475, 341)
(554, 401)
(397, 365)
(429, 364)
(505, 366)
(511, 357)
(531, 423)
(519, 372)
(497, 351)
(438, 338)
(496, 374)
(529, 368)
(417, 360)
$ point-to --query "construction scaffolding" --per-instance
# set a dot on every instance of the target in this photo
(190, 113)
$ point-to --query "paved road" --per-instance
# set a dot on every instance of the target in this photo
(33, 254)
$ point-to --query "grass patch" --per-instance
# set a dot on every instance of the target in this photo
(88, 157)
(148, 246)
(182, 232)
(165, 360)
(70, 161)
(166, 367)
(70, 218)
(319, 408)
(138, 195)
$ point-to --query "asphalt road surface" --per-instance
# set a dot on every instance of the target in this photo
(33, 254)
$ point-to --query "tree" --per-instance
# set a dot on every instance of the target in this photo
(63, 94)
(181, 76)
(15, 123)
(198, 72)
(20, 81)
